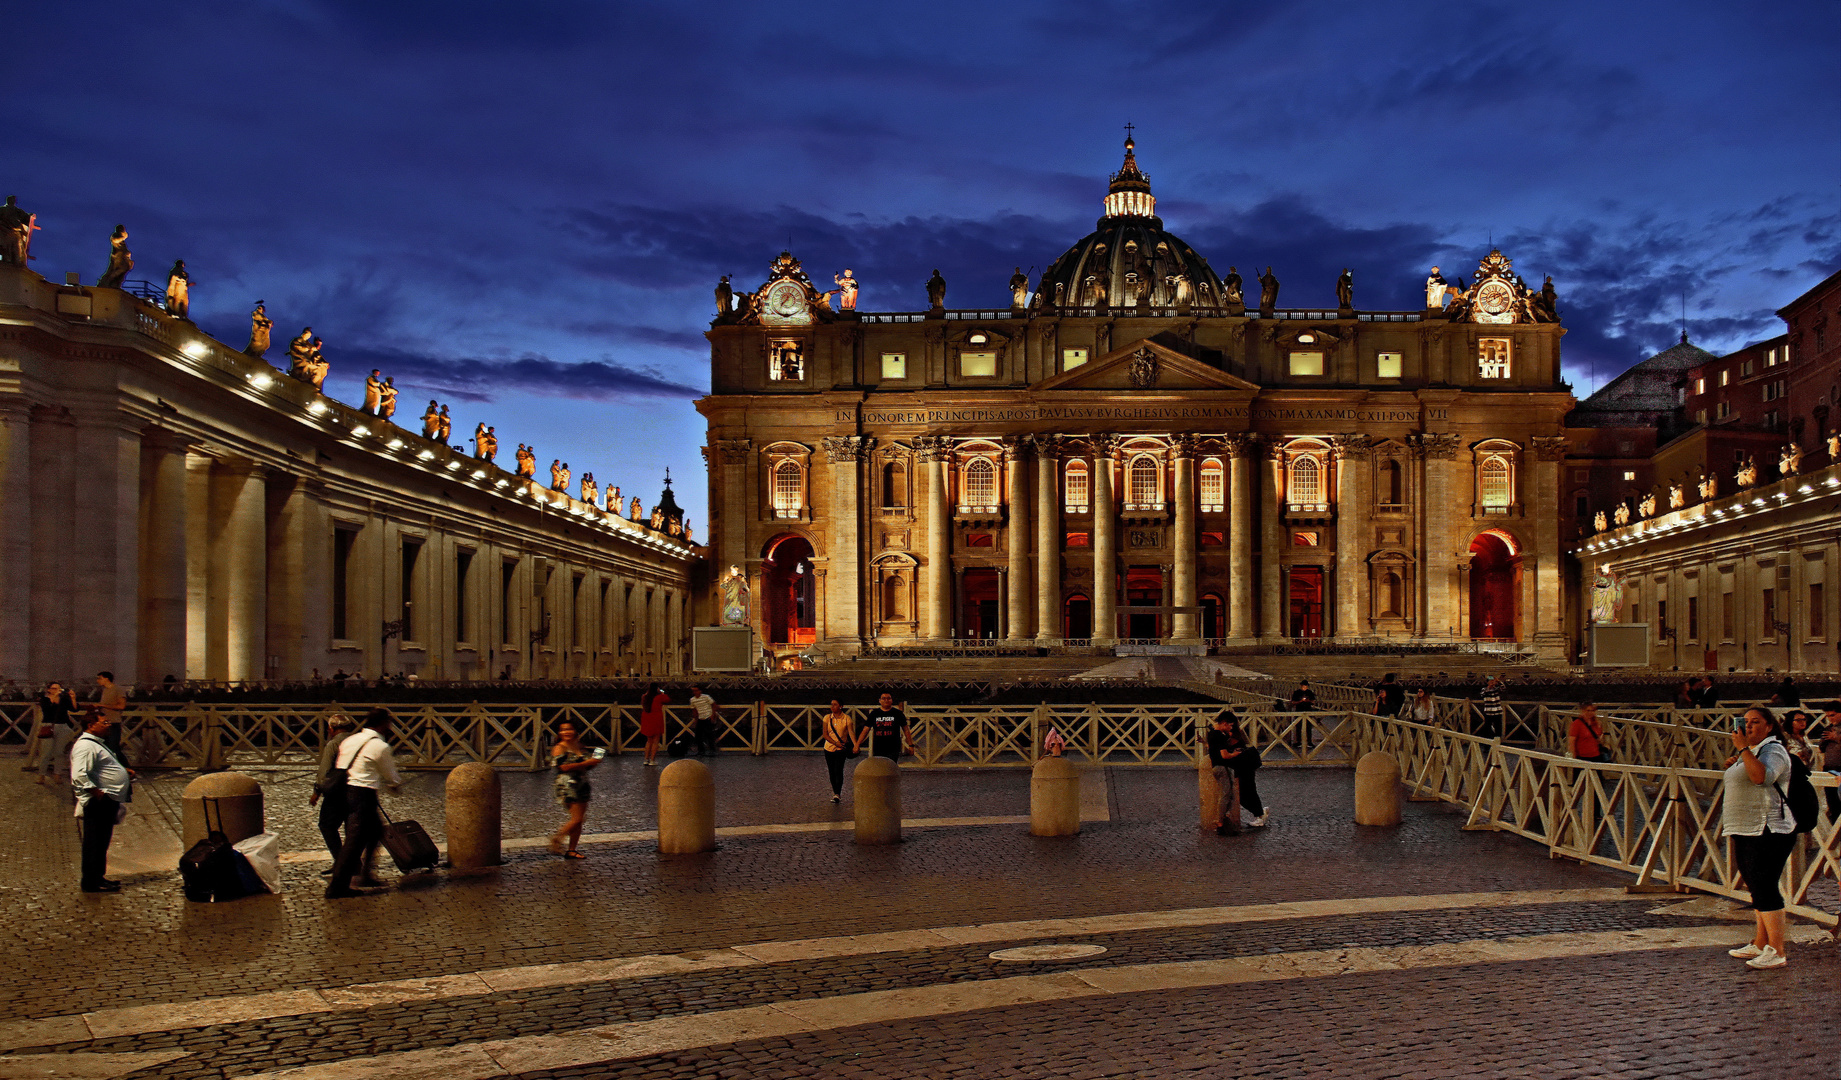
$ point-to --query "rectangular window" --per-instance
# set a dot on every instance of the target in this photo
(1722, 410)
(786, 361)
(978, 365)
(1493, 358)
(575, 612)
(463, 614)
(1746, 368)
(342, 542)
(1212, 495)
(1693, 618)
(1700, 384)
(1726, 618)
(1725, 376)
(1700, 416)
(1582, 507)
(1767, 614)
(894, 365)
(1629, 474)
(1773, 420)
(412, 555)
(1079, 540)
(1307, 363)
(1770, 358)
(508, 572)
(1072, 358)
(1818, 614)
(1387, 365)
(1661, 618)
(1077, 487)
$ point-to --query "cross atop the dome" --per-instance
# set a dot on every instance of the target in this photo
(1128, 131)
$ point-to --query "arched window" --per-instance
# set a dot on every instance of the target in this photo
(894, 598)
(1306, 481)
(1077, 487)
(1391, 488)
(788, 489)
(894, 484)
(1495, 480)
(980, 489)
(1146, 484)
(1214, 486)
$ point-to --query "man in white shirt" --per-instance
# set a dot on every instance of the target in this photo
(104, 785)
(703, 707)
(369, 764)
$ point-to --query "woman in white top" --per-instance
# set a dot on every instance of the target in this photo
(1423, 710)
(842, 741)
(1754, 814)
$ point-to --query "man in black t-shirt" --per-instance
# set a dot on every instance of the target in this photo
(1389, 697)
(888, 730)
(1221, 752)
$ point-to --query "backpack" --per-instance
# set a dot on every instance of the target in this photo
(1801, 796)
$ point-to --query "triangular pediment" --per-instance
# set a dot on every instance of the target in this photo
(1145, 365)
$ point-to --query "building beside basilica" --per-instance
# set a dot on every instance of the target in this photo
(1134, 451)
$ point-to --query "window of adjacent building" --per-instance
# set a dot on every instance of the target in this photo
(1773, 420)
(785, 361)
(1725, 376)
(1388, 365)
(980, 485)
(1772, 390)
(508, 573)
(1307, 363)
(1077, 487)
(1072, 358)
(1146, 487)
(1213, 485)
(1392, 486)
(1700, 416)
(1770, 358)
(1700, 384)
(1726, 618)
(1582, 507)
(343, 540)
(894, 485)
(894, 365)
(412, 557)
(1306, 481)
(1693, 618)
(788, 489)
(1818, 614)
(463, 614)
(978, 365)
(1746, 367)
(1767, 614)
(1495, 479)
(1722, 410)
(1493, 358)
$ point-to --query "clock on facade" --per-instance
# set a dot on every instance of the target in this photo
(785, 305)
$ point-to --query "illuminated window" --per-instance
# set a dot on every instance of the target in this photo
(978, 365)
(1146, 487)
(1307, 363)
(1494, 479)
(1079, 539)
(1077, 487)
(1725, 376)
(1305, 539)
(1700, 385)
(1629, 474)
(1306, 481)
(786, 361)
(1214, 486)
(1745, 368)
(1072, 358)
(1493, 358)
(788, 489)
(1387, 365)
(980, 484)
(894, 365)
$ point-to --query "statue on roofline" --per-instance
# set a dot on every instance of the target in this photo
(121, 260)
(386, 398)
(1231, 285)
(936, 291)
(1345, 291)
(846, 290)
(179, 291)
(1268, 290)
(16, 228)
(1019, 290)
(260, 327)
(1435, 289)
(431, 420)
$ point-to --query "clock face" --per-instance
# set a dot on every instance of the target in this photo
(785, 303)
(1495, 303)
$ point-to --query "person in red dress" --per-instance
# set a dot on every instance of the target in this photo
(652, 721)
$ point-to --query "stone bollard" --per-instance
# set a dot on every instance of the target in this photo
(876, 793)
(1054, 798)
(236, 807)
(1208, 795)
(473, 816)
(686, 808)
(1377, 789)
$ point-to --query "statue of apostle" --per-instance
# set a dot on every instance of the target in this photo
(1547, 302)
(1268, 291)
(1435, 289)
(16, 227)
(121, 260)
(317, 364)
(179, 291)
(591, 491)
(431, 420)
(446, 425)
(559, 475)
(386, 398)
(489, 448)
(1231, 285)
(1019, 289)
(613, 500)
(259, 327)
(936, 291)
(725, 297)
(479, 440)
(1345, 291)
(847, 290)
(373, 391)
(639, 513)
(300, 355)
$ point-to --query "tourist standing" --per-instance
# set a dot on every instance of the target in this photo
(1709, 694)
(1754, 814)
(572, 761)
(1787, 693)
(369, 765)
(1389, 697)
(1492, 708)
(104, 785)
(1830, 741)
(705, 712)
(889, 736)
(55, 733)
(331, 799)
(1303, 699)
(1423, 710)
(652, 721)
(1797, 741)
(842, 742)
(1585, 735)
(1221, 753)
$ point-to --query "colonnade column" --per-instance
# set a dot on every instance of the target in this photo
(104, 556)
(937, 455)
(1105, 543)
(1183, 626)
(290, 627)
(1240, 496)
(1016, 580)
(1272, 545)
(1048, 538)
(16, 538)
(1352, 537)
(238, 623)
(163, 558)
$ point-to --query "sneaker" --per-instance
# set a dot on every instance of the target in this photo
(1259, 822)
(1769, 958)
(1744, 952)
(837, 798)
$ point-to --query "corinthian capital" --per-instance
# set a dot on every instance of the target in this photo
(1240, 444)
(932, 448)
(733, 451)
(1549, 447)
(842, 448)
(1351, 445)
(1440, 445)
(1104, 445)
(1182, 446)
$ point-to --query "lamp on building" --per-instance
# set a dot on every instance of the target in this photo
(196, 349)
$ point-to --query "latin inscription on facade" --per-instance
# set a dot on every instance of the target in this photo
(1147, 412)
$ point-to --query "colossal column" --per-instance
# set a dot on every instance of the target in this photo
(1183, 627)
(844, 617)
(1440, 555)
(1016, 478)
(936, 453)
(1352, 539)
(1105, 543)
(1048, 538)
(1548, 631)
(163, 557)
(1272, 545)
(729, 506)
(1240, 498)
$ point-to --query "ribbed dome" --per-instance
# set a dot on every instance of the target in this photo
(1128, 260)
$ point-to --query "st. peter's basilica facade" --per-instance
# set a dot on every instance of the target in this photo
(1135, 450)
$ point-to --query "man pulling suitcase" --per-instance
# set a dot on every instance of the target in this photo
(367, 763)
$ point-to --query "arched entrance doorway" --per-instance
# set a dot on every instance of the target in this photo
(1495, 586)
(789, 596)
(1307, 601)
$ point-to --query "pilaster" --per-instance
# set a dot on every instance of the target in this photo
(935, 454)
(1352, 454)
(844, 618)
(162, 592)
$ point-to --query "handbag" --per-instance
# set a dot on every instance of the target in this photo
(337, 777)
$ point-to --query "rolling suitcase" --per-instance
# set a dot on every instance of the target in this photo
(209, 869)
(408, 843)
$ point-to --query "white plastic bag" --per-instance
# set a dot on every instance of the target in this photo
(264, 854)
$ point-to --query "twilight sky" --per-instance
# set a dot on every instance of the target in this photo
(522, 208)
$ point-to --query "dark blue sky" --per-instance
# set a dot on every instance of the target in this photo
(521, 208)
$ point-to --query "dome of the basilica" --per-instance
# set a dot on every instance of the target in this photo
(1128, 261)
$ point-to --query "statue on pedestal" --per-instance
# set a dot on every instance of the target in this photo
(1268, 291)
(386, 401)
(1647, 507)
(179, 291)
(725, 297)
(479, 440)
(1834, 446)
(1790, 462)
(121, 260)
(559, 475)
(526, 462)
(300, 355)
(259, 327)
(1435, 289)
(431, 420)
(936, 291)
(1709, 487)
(317, 365)
(373, 391)
(16, 227)
(1231, 287)
(1622, 513)
(638, 512)
(1677, 498)
(1345, 291)
(613, 500)
(1019, 289)
(446, 425)
(1181, 293)
(591, 492)
(490, 447)
(846, 290)
(1599, 522)
(1547, 302)
(1747, 473)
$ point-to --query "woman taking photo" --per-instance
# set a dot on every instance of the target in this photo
(842, 741)
(1754, 814)
(572, 761)
(652, 720)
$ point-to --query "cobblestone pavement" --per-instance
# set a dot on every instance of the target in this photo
(1572, 1005)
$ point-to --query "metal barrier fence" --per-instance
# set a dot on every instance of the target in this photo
(1658, 822)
